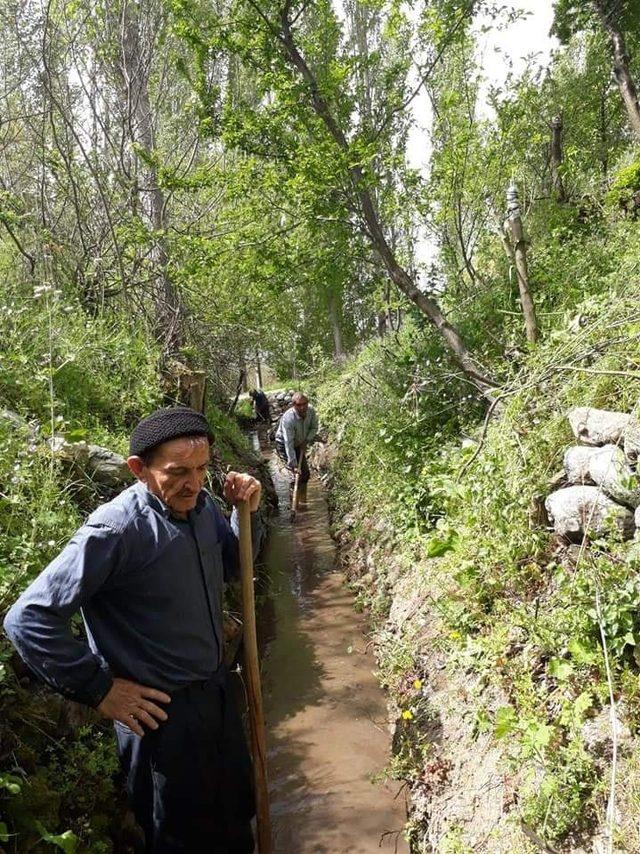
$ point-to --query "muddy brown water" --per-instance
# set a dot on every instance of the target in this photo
(328, 742)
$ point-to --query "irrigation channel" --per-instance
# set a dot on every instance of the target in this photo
(328, 742)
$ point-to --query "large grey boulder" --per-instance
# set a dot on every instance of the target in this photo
(597, 426)
(100, 465)
(576, 463)
(608, 468)
(108, 467)
(67, 451)
(577, 509)
(632, 439)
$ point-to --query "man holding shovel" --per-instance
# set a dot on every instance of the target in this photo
(297, 429)
(147, 569)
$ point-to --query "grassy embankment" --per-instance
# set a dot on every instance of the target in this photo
(87, 378)
(445, 536)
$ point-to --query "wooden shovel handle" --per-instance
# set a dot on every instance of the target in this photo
(296, 483)
(252, 680)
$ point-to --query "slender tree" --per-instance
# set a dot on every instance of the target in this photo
(616, 18)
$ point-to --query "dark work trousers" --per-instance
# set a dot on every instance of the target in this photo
(190, 782)
(281, 451)
(263, 413)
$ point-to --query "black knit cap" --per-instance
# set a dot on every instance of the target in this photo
(166, 424)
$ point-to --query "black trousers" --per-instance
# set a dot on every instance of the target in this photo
(190, 781)
(281, 451)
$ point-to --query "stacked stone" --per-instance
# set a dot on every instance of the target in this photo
(602, 487)
(279, 401)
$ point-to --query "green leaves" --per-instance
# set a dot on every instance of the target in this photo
(11, 783)
(560, 669)
(438, 546)
(534, 736)
(66, 841)
(582, 653)
(505, 721)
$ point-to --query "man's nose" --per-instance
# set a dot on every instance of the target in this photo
(195, 481)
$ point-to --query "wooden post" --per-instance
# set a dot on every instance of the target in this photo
(197, 389)
(522, 269)
(252, 681)
(258, 370)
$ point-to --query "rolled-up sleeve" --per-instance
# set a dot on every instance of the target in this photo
(38, 624)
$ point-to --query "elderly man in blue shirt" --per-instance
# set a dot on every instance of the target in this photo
(147, 572)
(297, 429)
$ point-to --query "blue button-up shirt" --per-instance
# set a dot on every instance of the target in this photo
(149, 587)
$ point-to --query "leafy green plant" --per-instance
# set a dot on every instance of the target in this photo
(624, 193)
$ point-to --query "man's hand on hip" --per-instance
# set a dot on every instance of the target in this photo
(132, 705)
(242, 487)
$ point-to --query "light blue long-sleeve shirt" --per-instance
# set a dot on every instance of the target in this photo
(294, 431)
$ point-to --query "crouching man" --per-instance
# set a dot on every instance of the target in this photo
(147, 571)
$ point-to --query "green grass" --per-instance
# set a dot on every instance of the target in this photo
(503, 603)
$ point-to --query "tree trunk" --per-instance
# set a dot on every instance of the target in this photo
(134, 71)
(621, 70)
(242, 381)
(426, 304)
(522, 269)
(555, 158)
(381, 323)
(334, 319)
(604, 159)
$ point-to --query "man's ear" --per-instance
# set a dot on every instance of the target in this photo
(137, 467)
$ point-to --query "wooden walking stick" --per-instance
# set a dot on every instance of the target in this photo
(252, 679)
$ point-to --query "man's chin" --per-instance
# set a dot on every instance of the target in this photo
(183, 505)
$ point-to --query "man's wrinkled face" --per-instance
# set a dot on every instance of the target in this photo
(176, 472)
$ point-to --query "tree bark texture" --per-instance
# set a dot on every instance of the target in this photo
(522, 269)
(621, 70)
(555, 158)
(334, 318)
